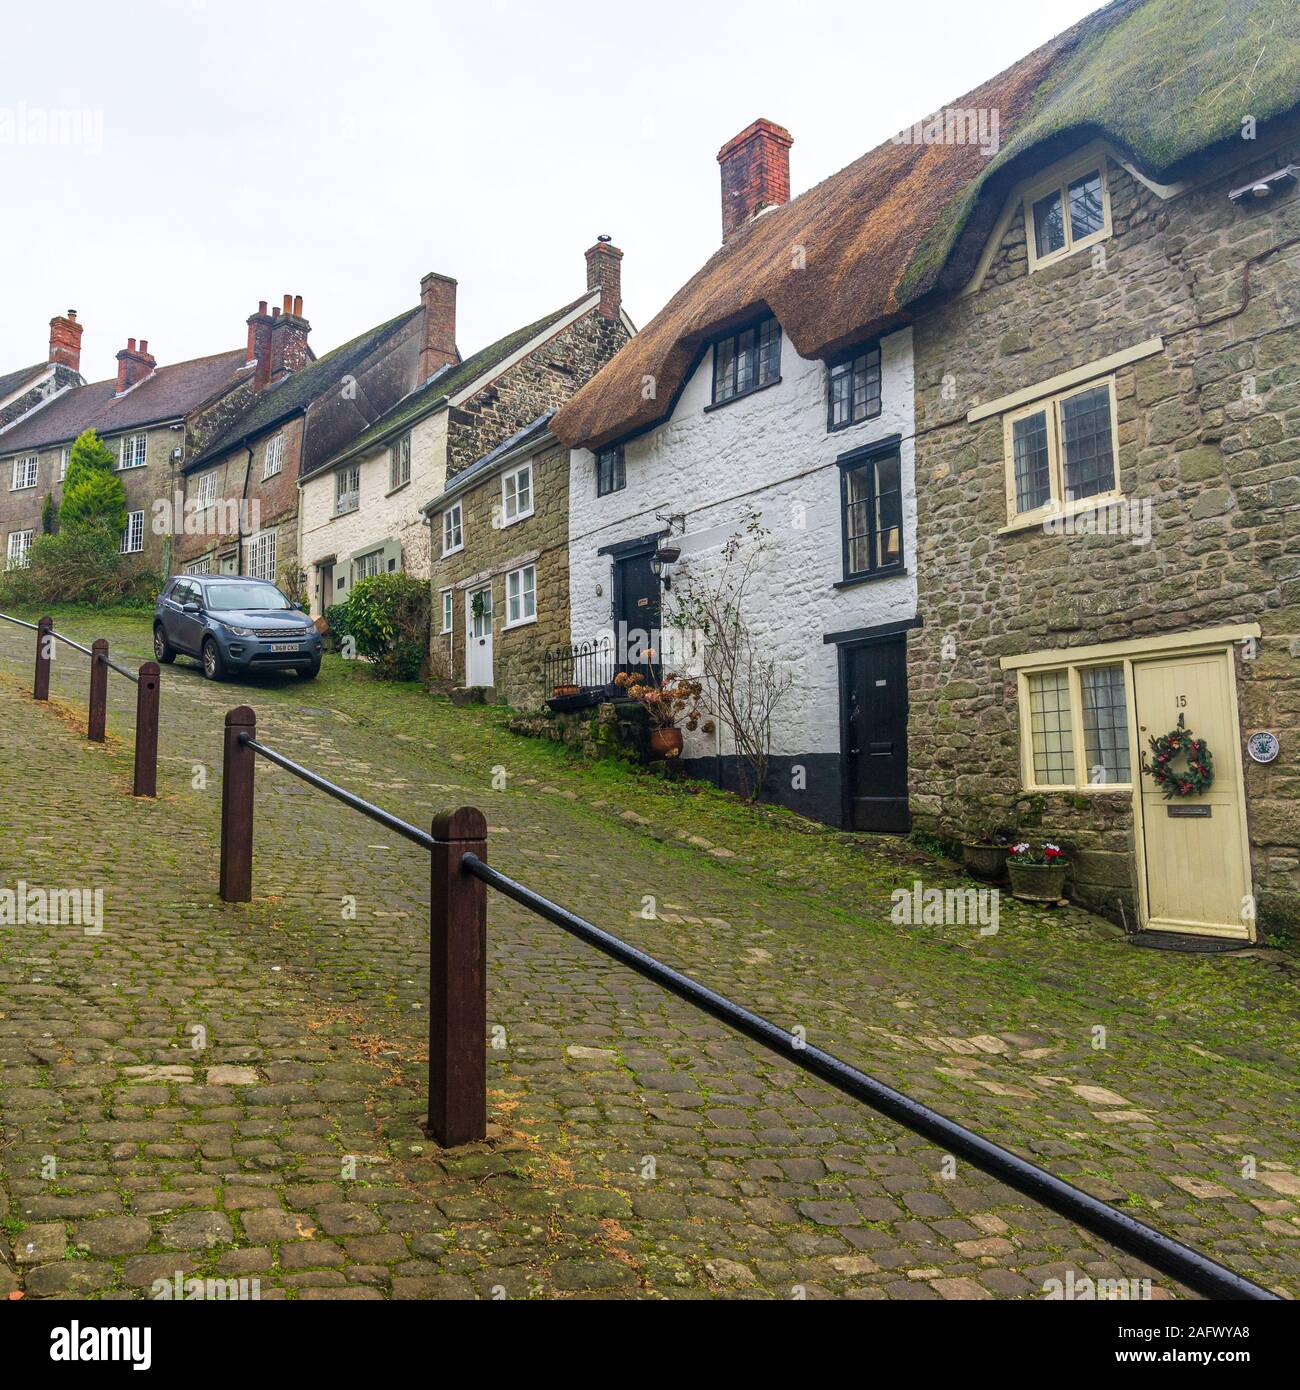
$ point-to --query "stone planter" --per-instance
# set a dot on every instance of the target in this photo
(984, 860)
(1038, 883)
(665, 743)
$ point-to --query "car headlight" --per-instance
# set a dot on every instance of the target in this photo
(237, 631)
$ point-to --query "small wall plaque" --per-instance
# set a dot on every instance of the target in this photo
(1175, 810)
(1263, 746)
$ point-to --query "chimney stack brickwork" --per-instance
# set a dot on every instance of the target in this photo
(65, 341)
(604, 272)
(438, 343)
(755, 173)
(289, 332)
(133, 364)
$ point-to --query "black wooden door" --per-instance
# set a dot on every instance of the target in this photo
(637, 614)
(874, 676)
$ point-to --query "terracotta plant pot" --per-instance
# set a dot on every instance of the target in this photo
(1038, 883)
(564, 690)
(666, 743)
(984, 860)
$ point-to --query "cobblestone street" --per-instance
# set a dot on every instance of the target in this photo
(237, 1091)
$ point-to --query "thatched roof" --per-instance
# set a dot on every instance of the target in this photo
(1164, 80)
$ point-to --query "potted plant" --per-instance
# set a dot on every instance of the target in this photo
(675, 699)
(984, 853)
(1037, 872)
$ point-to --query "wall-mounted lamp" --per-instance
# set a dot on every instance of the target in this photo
(665, 556)
(1267, 187)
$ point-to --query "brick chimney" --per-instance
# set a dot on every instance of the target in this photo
(289, 332)
(755, 173)
(133, 364)
(605, 273)
(259, 344)
(65, 341)
(438, 344)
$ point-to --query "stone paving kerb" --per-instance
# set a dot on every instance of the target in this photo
(235, 1092)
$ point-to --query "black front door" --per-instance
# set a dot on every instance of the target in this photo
(873, 678)
(637, 613)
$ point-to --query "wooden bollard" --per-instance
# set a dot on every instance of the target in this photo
(146, 731)
(457, 982)
(44, 649)
(98, 713)
(237, 807)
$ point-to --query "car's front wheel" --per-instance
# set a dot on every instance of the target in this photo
(309, 673)
(162, 649)
(213, 666)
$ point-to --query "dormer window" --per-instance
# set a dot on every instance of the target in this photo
(1065, 213)
(747, 361)
(854, 388)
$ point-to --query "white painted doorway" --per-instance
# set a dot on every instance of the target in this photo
(478, 636)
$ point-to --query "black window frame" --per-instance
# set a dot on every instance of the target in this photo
(756, 327)
(869, 457)
(617, 472)
(847, 359)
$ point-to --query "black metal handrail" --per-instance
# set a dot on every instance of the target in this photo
(1197, 1271)
(581, 665)
(367, 808)
(457, 1001)
(85, 651)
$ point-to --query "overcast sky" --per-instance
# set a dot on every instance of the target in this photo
(236, 151)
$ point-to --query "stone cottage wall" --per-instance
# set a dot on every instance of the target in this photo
(491, 551)
(1209, 431)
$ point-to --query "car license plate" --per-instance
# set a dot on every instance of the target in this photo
(284, 646)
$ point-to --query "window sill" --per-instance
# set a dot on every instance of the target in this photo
(742, 395)
(515, 520)
(523, 622)
(1088, 789)
(455, 550)
(1037, 520)
(398, 488)
(891, 573)
(850, 424)
(610, 492)
(351, 511)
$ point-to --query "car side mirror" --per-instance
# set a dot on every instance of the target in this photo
(191, 607)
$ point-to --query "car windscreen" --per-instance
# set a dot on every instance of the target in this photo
(222, 598)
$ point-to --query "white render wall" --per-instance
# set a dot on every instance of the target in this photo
(382, 515)
(772, 451)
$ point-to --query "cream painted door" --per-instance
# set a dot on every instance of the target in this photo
(478, 638)
(1196, 860)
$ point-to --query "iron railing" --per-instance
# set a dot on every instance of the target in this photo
(459, 877)
(580, 668)
(146, 681)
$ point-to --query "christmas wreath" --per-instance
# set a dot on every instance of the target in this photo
(1199, 772)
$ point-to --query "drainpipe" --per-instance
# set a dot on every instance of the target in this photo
(248, 472)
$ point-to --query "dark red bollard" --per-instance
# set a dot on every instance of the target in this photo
(146, 731)
(44, 650)
(237, 807)
(457, 982)
(98, 713)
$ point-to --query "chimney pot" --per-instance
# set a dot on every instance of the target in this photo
(130, 345)
(755, 173)
(438, 338)
(605, 272)
(297, 306)
(133, 364)
(288, 304)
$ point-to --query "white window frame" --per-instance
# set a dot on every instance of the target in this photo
(259, 547)
(1082, 782)
(139, 450)
(30, 466)
(448, 609)
(1056, 505)
(399, 463)
(133, 534)
(19, 556)
(453, 525)
(519, 595)
(348, 471)
(203, 566)
(1058, 180)
(361, 566)
(63, 464)
(205, 490)
(510, 494)
(273, 461)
